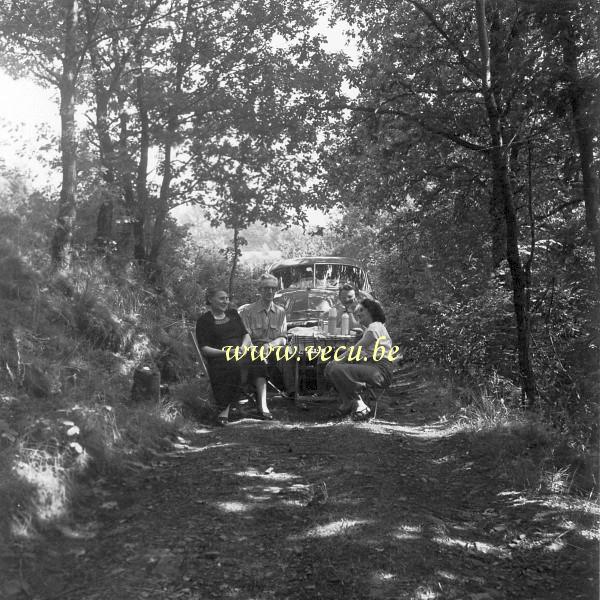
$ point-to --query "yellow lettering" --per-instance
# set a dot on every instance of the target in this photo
(339, 352)
(311, 352)
(379, 349)
(354, 353)
(394, 353)
(235, 352)
(325, 352)
(264, 353)
(285, 352)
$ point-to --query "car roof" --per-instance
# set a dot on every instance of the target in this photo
(302, 261)
(325, 292)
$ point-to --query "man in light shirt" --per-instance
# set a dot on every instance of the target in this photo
(267, 325)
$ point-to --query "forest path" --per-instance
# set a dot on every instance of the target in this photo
(401, 507)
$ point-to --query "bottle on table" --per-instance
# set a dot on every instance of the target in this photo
(332, 320)
(345, 324)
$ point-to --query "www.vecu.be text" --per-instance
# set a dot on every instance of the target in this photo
(323, 353)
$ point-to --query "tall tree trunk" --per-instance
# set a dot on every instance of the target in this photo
(104, 221)
(497, 225)
(61, 247)
(141, 189)
(234, 260)
(499, 160)
(163, 208)
(160, 217)
(123, 157)
(580, 100)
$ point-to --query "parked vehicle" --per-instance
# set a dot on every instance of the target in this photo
(321, 272)
(309, 285)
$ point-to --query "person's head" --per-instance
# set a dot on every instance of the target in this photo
(267, 286)
(217, 299)
(347, 294)
(369, 311)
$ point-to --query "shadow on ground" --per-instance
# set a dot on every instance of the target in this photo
(309, 508)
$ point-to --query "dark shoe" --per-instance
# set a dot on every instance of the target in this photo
(264, 416)
(364, 414)
(222, 421)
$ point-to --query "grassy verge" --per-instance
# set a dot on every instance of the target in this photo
(530, 454)
(68, 349)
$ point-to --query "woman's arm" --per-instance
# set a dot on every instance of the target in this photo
(367, 338)
(211, 352)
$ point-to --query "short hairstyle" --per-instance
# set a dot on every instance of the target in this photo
(211, 292)
(374, 309)
(268, 280)
(346, 287)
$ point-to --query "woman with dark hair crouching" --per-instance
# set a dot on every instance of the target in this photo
(360, 367)
(219, 327)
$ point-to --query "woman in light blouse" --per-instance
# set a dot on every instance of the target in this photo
(350, 378)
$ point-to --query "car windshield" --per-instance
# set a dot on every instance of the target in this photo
(320, 275)
(331, 275)
(295, 277)
(307, 307)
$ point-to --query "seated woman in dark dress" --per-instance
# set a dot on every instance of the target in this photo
(220, 327)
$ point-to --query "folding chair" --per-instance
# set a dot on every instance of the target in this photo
(372, 396)
(203, 366)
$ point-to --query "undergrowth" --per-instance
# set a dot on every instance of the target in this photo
(530, 454)
(69, 344)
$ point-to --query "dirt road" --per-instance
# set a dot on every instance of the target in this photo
(402, 507)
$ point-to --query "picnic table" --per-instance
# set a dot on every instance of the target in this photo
(312, 346)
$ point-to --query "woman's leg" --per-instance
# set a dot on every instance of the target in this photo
(261, 394)
(257, 373)
(225, 386)
(350, 379)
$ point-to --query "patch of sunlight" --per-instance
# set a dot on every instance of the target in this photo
(257, 498)
(233, 507)
(264, 475)
(447, 575)
(408, 532)
(417, 431)
(340, 527)
(291, 502)
(383, 577)
(590, 534)
(272, 489)
(47, 474)
(406, 536)
(562, 503)
(482, 547)
(443, 459)
(555, 546)
(186, 449)
(425, 593)
(201, 430)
